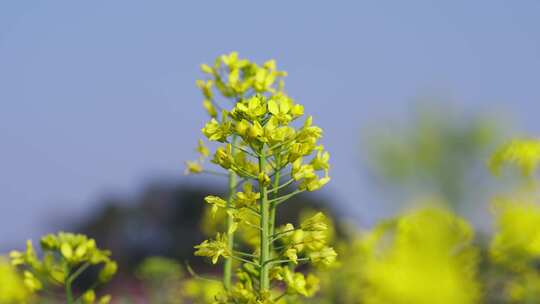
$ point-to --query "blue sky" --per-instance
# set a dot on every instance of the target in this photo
(99, 96)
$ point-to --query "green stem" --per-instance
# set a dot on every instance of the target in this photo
(265, 227)
(275, 194)
(69, 292)
(227, 268)
(77, 273)
(71, 279)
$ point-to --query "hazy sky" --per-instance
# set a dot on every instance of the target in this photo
(99, 96)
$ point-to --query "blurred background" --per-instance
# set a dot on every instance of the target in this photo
(100, 109)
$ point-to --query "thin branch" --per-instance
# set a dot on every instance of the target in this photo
(290, 181)
(255, 212)
(281, 199)
(252, 225)
(275, 235)
(241, 172)
(278, 261)
(197, 276)
(245, 254)
(77, 273)
(252, 153)
(244, 260)
(280, 296)
(216, 173)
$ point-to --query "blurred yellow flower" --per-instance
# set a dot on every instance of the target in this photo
(422, 257)
(12, 287)
(523, 153)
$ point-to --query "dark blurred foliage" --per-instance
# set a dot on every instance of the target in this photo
(165, 220)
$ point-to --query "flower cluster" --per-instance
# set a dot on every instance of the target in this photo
(269, 157)
(233, 78)
(65, 257)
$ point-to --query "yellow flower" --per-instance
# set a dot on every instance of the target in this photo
(315, 223)
(210, 108)
(223, 157)
(216, 203)
(251, 109)
(517, 239)
(215, 131)
(205, 68)
(524, 153)
(247, 197)
(12, 288)
(214, 248)
(291, 254)
(320, 161)
(325, 256)
(31, 282)
(89, 297)
(193, 167)
(107, 272)
(206, 88)
(302, 171)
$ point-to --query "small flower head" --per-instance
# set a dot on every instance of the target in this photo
(248, 197)
(213, 248)
(216, 203)
(193, 167)
(315, 223)
(325, 256)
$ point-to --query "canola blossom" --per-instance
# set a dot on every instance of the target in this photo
(65, 256)
(266, 146)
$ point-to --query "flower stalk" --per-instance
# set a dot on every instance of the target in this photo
(265, 228)
(227, 267)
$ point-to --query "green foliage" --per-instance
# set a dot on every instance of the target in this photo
(158, 269)
(260, 142)
(435, 154)
(65, 257)
(162, 279)
(201, 291)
